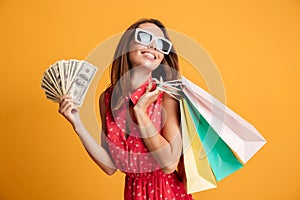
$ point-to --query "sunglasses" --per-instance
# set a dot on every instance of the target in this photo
(145, 37)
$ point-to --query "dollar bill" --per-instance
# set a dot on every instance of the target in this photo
(61, 70)
(81, 82)
(72, 77)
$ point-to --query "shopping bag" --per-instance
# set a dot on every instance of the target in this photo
(197, 174)
(221, 159)
(219, 128)
(236, 132)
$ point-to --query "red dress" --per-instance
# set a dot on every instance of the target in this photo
(144, 177)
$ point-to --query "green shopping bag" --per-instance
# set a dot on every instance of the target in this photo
(221, 159)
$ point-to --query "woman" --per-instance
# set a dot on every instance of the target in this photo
(140, 124)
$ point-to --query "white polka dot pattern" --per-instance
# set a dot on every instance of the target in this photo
(144, 178)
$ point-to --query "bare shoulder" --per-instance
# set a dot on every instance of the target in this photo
(170, 108)
(169, 102)
(171, 117)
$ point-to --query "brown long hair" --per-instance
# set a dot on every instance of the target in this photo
(121, 65)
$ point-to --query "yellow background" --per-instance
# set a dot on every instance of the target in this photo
(255, 44)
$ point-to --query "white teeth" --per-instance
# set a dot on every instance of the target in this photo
(149, 55)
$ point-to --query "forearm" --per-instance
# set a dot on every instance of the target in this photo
(96, 151)
(167, 153)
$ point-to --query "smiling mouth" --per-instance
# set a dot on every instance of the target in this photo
(149, 54)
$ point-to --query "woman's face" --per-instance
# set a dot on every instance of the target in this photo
(146, 55)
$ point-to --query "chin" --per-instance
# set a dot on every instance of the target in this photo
(149, 65)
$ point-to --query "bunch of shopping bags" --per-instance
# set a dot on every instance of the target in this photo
(216, 141)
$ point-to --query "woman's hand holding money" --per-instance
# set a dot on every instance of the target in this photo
(96, 151)
(69, 110)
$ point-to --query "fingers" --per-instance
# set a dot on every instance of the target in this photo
(149, 87)
(65, 105)
(154, 94)
(151, 96)
(69, 110)
(62, 98)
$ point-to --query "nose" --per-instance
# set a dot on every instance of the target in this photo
(152, 45)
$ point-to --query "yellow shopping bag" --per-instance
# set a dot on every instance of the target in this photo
(198, 175)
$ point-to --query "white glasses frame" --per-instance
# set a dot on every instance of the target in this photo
(156, 38)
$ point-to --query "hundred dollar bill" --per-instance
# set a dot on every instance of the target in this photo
(81, 82)
(61, 65)
(49, 80)
(54, 73)
(74, 66)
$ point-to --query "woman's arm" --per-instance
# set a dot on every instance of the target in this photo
(96, 151)
(166, 147)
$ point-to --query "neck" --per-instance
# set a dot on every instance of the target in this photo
(138, 77)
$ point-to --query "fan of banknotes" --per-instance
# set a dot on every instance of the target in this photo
(72, 77)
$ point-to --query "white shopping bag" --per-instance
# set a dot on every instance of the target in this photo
(236, 132)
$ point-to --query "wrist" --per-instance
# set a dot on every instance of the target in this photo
(77, 125)
(141, 117)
